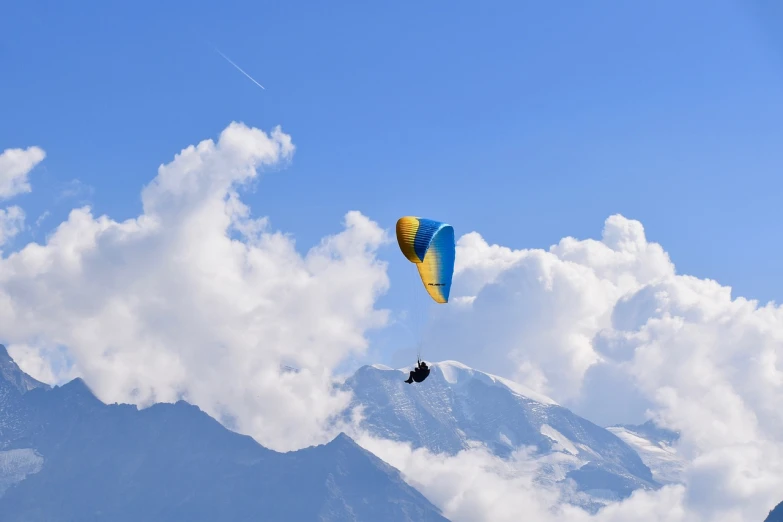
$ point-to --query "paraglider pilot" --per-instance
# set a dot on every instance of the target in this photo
(419, 374)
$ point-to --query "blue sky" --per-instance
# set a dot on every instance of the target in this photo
(524, 121)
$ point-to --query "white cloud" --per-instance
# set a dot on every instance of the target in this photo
(475, 486)
(168, 305)
(49, 366)
(538, 311)
(608, 328)
(15, 165)
(11, 223)
(41, 218)
(472, 486)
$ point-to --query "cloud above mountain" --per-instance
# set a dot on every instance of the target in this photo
(536, 313)
(197, 299)
(608, 328)
(476, 486)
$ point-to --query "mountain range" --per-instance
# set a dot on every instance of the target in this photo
(65, 455)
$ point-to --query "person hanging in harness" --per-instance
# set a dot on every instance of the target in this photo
(419, 373)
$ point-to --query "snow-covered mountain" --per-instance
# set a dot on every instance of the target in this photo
(656, 448)
(65, 455)
(457, 406)
(173, 462)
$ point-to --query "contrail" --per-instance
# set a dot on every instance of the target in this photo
(238, 68)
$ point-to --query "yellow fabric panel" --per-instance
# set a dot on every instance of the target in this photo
(407, 227)
(430, 270)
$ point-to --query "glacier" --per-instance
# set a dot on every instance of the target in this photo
(657, 449)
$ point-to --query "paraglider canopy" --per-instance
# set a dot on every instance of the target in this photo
(430, 246)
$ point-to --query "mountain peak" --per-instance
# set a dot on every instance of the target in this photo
(11, 373)
(456, 373)
(342, 438)
(78, 390)
(76, 385)
(343, 443)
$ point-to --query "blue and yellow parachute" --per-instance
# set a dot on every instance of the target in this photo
(430, 245)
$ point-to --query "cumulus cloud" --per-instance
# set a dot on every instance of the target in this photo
(196, 299)
(608, 328)
(11, 223)
(537, 311)
(473, 485)
(15, 165)
(476, 486)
